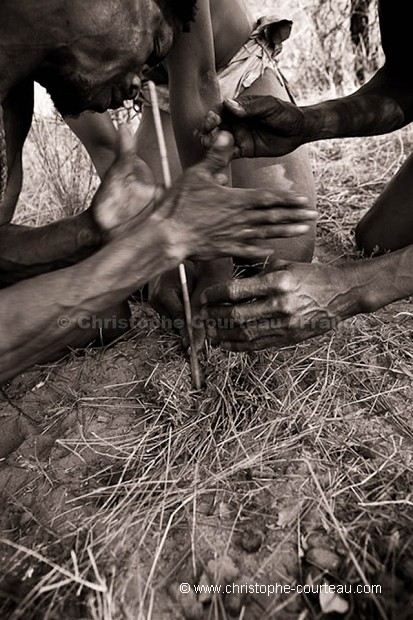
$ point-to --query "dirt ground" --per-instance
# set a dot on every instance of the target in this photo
(292, 467)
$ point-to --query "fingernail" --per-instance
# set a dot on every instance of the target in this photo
(310, 213)
(234, 104)
(223, 139)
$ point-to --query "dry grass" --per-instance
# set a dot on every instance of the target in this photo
(307, 449)
(292, 466)
(59, 176)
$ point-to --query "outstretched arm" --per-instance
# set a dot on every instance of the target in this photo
(291, 302)
(265, 126)
(382, 105)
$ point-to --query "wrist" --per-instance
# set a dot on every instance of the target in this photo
(178, 241)
(314, 123)
(363, 281)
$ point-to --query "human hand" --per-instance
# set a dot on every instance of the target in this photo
(215, 221)
(285, 304)
(262, 126)
(127, 191)
(165, 296)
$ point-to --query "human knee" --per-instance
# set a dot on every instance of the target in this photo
(367, 237)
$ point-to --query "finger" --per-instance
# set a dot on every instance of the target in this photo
(170, 307)
(211, 121)
(262, 198)
(243, 137)
(257, 345)
(248, 106)
(257, 329)
(245, 289)
(199, 334)
(255, 234)
(225, 317)
(219, 155)
(208, 139)
(126, 143)
(281, 215)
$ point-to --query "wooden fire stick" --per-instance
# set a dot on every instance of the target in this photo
(166, 172)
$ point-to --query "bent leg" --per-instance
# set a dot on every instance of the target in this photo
(98, 135)
(292, 171)
(17, 116)
(388, 225)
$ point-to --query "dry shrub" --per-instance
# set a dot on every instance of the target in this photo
(319, 59)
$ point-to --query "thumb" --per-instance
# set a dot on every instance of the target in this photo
(248, 106)
(220, 153)
(126, 143)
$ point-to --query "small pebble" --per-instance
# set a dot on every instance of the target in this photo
(205, 596)
(252, 539)
(323, 558)
(222, 570)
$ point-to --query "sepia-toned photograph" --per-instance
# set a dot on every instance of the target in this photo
(206, 327)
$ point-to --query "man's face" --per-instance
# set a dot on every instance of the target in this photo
(105, 44)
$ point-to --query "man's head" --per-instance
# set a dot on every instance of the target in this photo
(96, 47)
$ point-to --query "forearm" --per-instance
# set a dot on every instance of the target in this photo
(381, 106)
(30, 310)
(27, 252)
(380, 281)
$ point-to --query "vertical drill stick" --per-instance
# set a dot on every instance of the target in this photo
(166, 172)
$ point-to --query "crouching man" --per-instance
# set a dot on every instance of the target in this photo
(87, 53)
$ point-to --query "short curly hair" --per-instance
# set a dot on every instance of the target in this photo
(182, 10)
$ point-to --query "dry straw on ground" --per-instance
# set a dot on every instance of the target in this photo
(294, 466)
